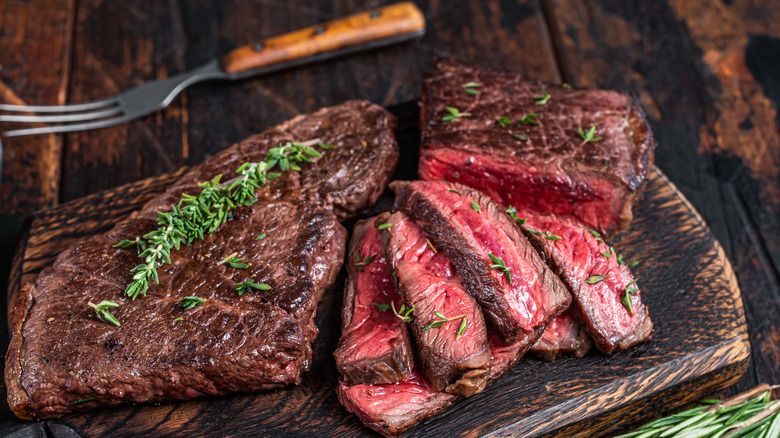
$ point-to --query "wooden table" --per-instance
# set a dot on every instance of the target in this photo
(707, 73)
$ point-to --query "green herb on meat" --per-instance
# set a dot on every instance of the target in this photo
(246, 285)
(512, 212)
(384, 226)
(191, 302)
(469, 87)
(593, 279)
(542, 100)
(504, 121)
(361, 261)
(103, 313)
(551, 236)
(501, 266)
(454, 114)
(442, 318)
(589, 136)
(530, 119)
(475, 207)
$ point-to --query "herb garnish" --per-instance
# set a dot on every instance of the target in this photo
(243, 287)
(533, 231)
(541, 100)
(262, 236)
(632, 264)
(469, 87)
(518, 135)
(191, 302)
(384, 226)
(504, 121)
(565, 85)
(593, 279)
(403, 314)
(620, 259)
(626, 297)
(594, 233)
(588, 136)
(501, 266)
(178, 319)
(475, 207)
(605, 254)
(82, 401)
(512, 212)
(196, 216)
(530, 119)
(235, 262)
(462, 328)
(454, 114)
(443, 318)
(455, 191)
(102, 311)
(431, 245)
(138, 243)
(551, 236)
(361, 261)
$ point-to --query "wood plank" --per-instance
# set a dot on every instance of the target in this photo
(121, 44)
(700, 342)
(708, 76)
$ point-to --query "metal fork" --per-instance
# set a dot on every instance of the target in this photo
(375, 28)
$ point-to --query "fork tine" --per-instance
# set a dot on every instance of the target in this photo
(68, 128)
(102, 103)
(61, 118)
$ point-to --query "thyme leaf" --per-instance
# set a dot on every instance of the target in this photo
(512, 212)
(262, 236)
(361, 261)
(246, 285)
(518, 135)
(469, 87)
(632, 264)
(462, 328)
(530, 119)
(403, 313)
(533, 231)
(442, 318)
(626, 297)
(475, 207)
(82, 401)
(236, 263)
(551, 236)
(594, 233)
(605, 254)
(501, 266)
(384, 226)
(589, 136)
(101, 309)
(504, 121)
(542, 100)
(454, 114)
(191, 302)
(455, 191)
(431, 245)
(593, 279)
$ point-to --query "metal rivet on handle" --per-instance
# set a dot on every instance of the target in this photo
(258, 47)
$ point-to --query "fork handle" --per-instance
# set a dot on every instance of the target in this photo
(366, 29)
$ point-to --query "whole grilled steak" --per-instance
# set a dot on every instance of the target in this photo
(564, 336)
(374, 347)
(447, 323)
(62, 358)
(518, 293)
(606, 297)
(540, 162)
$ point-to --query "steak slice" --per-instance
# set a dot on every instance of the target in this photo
(393, 408)
(564, 336)
(374, 347)
(62, 358)
(453, 355)
(547, 167)
(578, 256)
(469, 228)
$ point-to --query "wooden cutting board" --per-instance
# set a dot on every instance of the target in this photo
(700, 342)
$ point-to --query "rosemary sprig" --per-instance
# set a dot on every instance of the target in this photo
(403, 314)
(361, 261)
(469, 87)
(530, 119)
(454, 114)
(625, 298)
(589, 136)
(501, 266)
(512, 212)
(101, 309)
(542, 100)
(138, 243)
(246, 285)
(191, 302)
(196, 216)
(504, 121)
(750, 414)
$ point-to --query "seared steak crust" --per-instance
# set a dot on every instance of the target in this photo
(374, 347)
(60, 353)
(564, 336)
(547, 167)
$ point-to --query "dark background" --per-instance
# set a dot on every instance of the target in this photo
(707, 73)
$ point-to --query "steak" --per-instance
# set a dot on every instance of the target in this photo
(542, 163)
(564, 336)
(393, 408)
(453, 354)
(598, 279)
(518, 293)
(374, 347)
(62, 358)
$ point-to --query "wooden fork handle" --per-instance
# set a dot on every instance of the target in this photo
(368, 28)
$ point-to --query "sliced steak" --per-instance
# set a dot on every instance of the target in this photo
(593, 272)
(542, 163)
(62, 358)
(470, 228)
(564, 336)
(453, 355)
(393, 408)
(374, 347)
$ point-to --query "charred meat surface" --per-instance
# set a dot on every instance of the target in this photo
(606, 296)
(519, 142)
(393, 408)
(564, 336)
(518, 293)
(447, 323)
(62, 358)
(374, 347)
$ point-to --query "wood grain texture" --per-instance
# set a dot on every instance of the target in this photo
(707, 75)
(700, 343)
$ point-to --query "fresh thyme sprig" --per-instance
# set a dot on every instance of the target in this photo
(504, 121)
(246, 285)
(196, 216)
(594, 279)
(501, 266)
(403, 314)
(750, 414)
(361, 261)
(442, 318)
(82, 401)
(518, 135)
(475, 207)
(101, 309)
(512, 212)
(454, 114)
(191, 302)
(455, 191)
(530, 119)
(550, 236)
(542, 100)
(589, 136)
(469, 87)
(626, 297)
